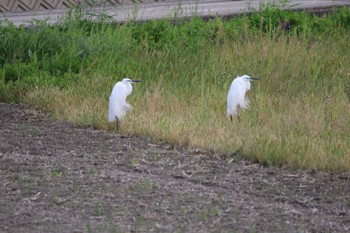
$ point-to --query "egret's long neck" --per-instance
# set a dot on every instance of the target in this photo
(128, 88)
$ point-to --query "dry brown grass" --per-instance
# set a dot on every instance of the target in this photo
(299, 115)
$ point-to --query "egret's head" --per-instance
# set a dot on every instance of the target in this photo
(128, 80)
(248, 78)
(246, 81)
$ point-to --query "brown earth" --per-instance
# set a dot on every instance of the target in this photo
(59, 177)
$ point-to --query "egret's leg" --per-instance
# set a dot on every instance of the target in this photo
(231, 118)
(238, 111)
(117, 123)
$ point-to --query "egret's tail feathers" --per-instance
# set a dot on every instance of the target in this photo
(245, 103)
(127, 107)
(118, 111)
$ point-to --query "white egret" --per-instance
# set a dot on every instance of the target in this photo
(236, 99)
(118, 106)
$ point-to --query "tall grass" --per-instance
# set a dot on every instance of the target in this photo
(299, 115)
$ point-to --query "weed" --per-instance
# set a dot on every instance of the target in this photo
(348, 201)
(142, 186)
(98, 210)
(139, 222)
(154, 155)
(27, 186)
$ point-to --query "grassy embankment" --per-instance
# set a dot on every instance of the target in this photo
(300, 110)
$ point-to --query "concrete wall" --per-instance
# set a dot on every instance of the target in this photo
(38, 5)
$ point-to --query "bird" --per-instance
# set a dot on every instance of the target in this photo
(118, 106)
(236, 99)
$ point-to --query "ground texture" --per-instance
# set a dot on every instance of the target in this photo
(59, 177)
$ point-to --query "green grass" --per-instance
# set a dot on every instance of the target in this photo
(299, 115)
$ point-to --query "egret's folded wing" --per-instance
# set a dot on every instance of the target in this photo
(111, 112)
(234, 99)
(117, 102)
(245, 103)
(127, 107)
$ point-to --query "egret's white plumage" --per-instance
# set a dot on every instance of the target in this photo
(118, 106)
(236, 98)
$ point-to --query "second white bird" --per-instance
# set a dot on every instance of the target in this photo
(118, 106)
(236, 98)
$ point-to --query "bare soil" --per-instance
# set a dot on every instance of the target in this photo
(59, 177)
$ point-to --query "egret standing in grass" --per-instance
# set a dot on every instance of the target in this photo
(118, 106)
(236, 99)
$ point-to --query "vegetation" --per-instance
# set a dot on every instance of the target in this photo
(299, 115)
